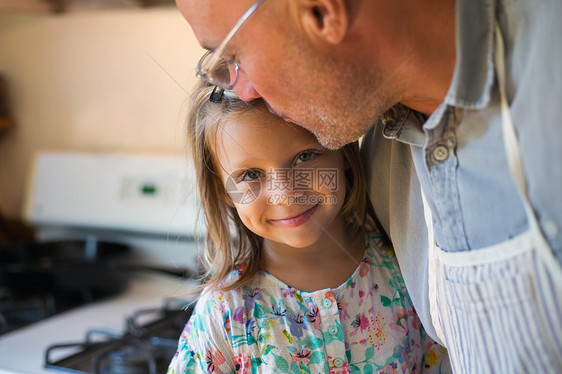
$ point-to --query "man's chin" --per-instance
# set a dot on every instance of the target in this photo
(331, 142)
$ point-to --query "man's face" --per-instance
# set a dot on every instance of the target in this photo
(311, 85)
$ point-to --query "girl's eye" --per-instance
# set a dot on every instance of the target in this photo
(304, 157)
(251, 175)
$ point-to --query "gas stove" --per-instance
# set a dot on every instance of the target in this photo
(143, 202)
(152, 310)
(144, 347)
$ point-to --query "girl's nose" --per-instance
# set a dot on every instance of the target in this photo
(244, 88)
(281, 191)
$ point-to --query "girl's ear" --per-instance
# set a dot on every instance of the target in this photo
(326, 19)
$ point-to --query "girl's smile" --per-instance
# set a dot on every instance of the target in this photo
(297, 220)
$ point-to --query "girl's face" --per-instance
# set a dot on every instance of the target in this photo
(284, 185)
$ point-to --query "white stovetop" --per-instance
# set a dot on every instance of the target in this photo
(22, 351)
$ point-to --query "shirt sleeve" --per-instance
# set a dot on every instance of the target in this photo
(204, 345)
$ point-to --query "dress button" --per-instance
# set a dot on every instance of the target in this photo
(440, 153)
(333, 330)
(551, 228)
(327, 303)
(338, 362)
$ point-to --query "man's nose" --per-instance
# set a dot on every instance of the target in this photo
(244, 88)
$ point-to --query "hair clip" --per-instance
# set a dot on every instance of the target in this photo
(216, 96)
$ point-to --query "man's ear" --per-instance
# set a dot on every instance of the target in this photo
(327, 19)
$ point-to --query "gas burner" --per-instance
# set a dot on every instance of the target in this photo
(135, 359)
(145, 348)
(18, 311)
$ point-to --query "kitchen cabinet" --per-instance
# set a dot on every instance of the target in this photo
(6, 121)
(28, 5)
(5, 124)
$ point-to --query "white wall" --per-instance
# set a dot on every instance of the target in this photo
(102, 81)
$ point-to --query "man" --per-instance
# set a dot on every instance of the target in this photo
(468, 188)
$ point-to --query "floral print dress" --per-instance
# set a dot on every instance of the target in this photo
(366, 325)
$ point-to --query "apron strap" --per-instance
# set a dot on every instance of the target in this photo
(432, 272)
(512, 151)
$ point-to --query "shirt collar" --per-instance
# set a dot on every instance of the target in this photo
(474, 71)
(472, 79)
(404, 124)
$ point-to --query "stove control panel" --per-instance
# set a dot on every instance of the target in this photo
(152, 194)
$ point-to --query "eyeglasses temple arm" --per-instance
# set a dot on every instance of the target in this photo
(220, 49)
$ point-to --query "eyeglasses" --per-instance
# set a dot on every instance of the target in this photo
(213, 68)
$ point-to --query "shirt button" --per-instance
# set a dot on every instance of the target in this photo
(551, 228)
(338, 362)
(440, 153)
(327, 303)
(333, 330)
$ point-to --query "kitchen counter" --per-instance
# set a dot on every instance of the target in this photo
(23, 351)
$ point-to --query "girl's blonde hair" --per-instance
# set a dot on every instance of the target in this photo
(228, 242)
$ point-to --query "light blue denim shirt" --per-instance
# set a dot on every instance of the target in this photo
(459, 158)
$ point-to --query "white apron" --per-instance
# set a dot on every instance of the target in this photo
(499, 309)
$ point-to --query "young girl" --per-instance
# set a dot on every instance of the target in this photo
(295, 283)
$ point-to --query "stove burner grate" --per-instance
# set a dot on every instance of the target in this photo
(143, 349)
(17, 310)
